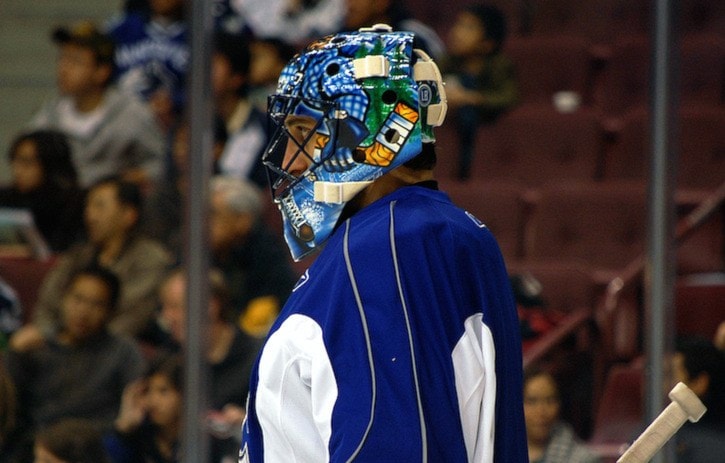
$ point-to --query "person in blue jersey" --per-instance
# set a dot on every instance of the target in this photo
(401, 341)
(152, 56)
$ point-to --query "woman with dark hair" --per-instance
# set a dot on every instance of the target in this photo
(70, 440)
(44, 181)
(550, 439)
(149, 423)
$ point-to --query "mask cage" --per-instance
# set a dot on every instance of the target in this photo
(275, 158)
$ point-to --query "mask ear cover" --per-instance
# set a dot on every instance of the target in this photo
(431, 90)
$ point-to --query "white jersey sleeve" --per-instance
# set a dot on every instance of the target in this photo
(296, 393)
(474, 366)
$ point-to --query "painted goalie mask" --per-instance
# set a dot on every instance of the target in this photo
(348, 109)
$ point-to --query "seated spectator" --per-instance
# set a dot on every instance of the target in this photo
(44, 182)
(256, 266)
(70, 441)
(163, 216)
(136, 6)
(480, 79)
(366, 13)
(80, 371)
(109, 133)
(149, 422)
(226, 17)
(550, 440)
(230, 354)
(152, 56)
(268, 58)
(246, 125)
(701, 366)
(112, 213)
(292, 21)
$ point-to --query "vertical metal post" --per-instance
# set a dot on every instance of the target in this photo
(195, 442)
(660, 268)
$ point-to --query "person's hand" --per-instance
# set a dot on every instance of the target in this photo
(719, 339)
(27, 338)
(227, 422)
(457, 95)
(133, 407)
(233, 414)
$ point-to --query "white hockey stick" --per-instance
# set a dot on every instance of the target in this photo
(685, 406)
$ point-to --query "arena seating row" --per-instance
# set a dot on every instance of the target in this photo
(614, 79)
(25, 274)
(535, 145)
(601, 223)
(585, 242)
(600, 22)
(566, 193)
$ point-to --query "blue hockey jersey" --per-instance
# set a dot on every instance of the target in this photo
(150, 56)
(399, 344)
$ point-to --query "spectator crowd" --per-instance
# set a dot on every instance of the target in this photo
(92, 371)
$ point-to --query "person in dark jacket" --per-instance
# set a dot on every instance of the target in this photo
(44, 181)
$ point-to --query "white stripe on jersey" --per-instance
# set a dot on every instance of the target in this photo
(476, 387)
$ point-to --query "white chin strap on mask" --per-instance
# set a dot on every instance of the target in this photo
(338, 193)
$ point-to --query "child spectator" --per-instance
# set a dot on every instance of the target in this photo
(152, 56)
(550, 440)
(44, 181)
(70, 441)
(109, 133)
(149, 421)
(80, 371)
(480, 79)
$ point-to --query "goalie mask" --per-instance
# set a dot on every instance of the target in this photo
(348, 109)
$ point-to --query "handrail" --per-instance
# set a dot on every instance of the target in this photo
(685, 227)
(629, 273)
(563, 329)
